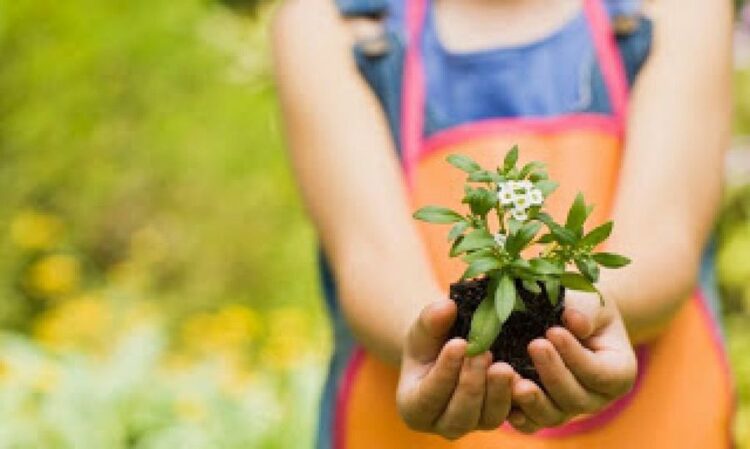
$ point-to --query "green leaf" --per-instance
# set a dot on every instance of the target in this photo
(464, 163)
(562, 235)
(480, 201)
(576, 215)
(518, 241)
(610, 260)
(552, 287)
(531, 166)
(588, 268)
(543, 266)
(476, 239)
(453, 251)
(519, 306)
(437, 214)
(546, 186)
(538, 176)
(520, 263)
(482, 265)
(510, 159)
(513, 226)
(505, 298)
(546, 238)
(575, 281)
(485, 176)
(457, 230)
(597, 235)
(477, 254)
(485, 327)
(531, 286)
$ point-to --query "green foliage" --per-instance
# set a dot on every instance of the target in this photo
(485, 327)
(495, 248)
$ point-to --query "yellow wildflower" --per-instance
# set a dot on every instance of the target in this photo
(288, 337)
(4, 370)
(35, 230)
(81, 321)
(190, 409)
(54, 275)
(229, 329)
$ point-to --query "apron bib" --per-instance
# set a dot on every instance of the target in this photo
(682, 398)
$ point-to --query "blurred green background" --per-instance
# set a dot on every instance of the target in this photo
(157, 280)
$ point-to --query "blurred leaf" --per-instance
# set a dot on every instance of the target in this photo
(464, 163)
(437, 214)
(511, 157)
(610, 260)
(597, 235)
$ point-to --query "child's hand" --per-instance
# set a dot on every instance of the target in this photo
(582, 375)
(443, 392)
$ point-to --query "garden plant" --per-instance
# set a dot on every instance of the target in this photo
(519, 259)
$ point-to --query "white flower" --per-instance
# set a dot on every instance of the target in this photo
(505, 194)
(535, 197)
(519, 214)
(500, 239)
(521, 202)
(526, 185)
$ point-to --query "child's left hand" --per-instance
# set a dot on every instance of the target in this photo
(584, 366)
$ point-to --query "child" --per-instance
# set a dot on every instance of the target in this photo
(637, 126)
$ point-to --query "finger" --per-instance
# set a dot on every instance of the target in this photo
(522, 423)
(422, 399)
(610, 372)
(465, 407)
(559, 381)
(428, 333)
(536, 405)
(497, 397)
(582, 314)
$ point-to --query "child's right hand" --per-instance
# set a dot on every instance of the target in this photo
(443, 392)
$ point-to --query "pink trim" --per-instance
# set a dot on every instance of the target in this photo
(343, 396)
(610, 60)
(521, 125)
(413, 98)
(608, 414)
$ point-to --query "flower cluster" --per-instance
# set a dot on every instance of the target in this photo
(520, 195)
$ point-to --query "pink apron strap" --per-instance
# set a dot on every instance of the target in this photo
(413, 94)
(609, 57)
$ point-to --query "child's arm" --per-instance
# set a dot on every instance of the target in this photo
(671, 180)
(669, 190)
(350, 179)
(349, 176)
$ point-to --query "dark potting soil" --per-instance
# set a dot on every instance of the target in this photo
(519, 330)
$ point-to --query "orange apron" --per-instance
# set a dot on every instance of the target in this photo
(682, 398)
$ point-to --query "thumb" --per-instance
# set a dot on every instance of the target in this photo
(582, 314)
(427, 334)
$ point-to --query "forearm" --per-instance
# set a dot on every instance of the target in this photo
(349, 176)
(383, 285)
(672, 169)
(651, 290)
